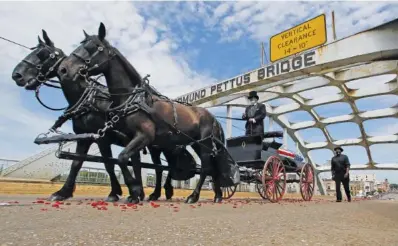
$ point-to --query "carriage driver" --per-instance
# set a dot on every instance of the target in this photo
(254, 116)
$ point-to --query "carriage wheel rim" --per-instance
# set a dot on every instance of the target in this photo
(274, 179)
(307, 182)
(228, 192)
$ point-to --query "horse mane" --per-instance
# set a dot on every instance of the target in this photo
(135, 76)
(131, 71)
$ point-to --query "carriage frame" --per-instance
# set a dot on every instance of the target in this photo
(259, 163)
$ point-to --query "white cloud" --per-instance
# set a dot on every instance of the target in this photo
(221, 10)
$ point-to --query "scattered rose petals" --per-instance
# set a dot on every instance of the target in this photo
(154, 205)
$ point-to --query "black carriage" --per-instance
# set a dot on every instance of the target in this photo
(262, 164)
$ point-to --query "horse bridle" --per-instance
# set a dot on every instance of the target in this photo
(40, 77)
(86, 69)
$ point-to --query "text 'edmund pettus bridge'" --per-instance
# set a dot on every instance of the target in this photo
(286, 66)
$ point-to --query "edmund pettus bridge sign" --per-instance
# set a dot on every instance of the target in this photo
(305, 36)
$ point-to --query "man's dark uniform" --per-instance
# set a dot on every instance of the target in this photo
(256, 112)
(340, 163)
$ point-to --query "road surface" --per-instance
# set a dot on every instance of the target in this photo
(30, 221)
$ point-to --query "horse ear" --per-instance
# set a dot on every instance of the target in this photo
(85, 34)
(40, 41)
(101, 31)
(47, 39)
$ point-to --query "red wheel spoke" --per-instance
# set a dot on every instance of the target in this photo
(275, 186)
(307, 182)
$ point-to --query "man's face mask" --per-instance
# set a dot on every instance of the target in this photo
(253, 101)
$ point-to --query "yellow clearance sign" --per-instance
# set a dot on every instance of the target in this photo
(303, 37)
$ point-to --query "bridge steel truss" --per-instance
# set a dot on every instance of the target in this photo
(369, 54)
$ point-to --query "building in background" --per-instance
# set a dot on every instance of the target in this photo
(330, 186)
(356, 187)
(360, 184)
(383, 186)
(363, 177)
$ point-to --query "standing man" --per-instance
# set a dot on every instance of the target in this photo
(254, 116)
(340, 173)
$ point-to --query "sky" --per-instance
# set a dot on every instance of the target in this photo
(184, 46)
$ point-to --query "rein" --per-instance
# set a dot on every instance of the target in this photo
(37, 95)
(228, 118)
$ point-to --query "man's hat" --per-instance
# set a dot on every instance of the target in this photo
(338, 147)
(253, 94)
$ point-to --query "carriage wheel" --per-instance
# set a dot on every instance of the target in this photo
(307, 182)
(228, 192)
(260, 190)
(274, 179)
(259, 185)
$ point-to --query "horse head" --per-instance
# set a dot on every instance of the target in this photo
(90, 58)
(39, 66)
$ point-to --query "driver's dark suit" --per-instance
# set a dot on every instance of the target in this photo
(258, 113)
(339, 164)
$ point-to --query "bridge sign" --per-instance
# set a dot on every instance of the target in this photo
(305, 36)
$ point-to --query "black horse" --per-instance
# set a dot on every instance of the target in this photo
(145, 115)
(40, 66)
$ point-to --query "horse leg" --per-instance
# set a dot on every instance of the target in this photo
(67, 189)
(204, 158)
(216, 184)
(155, 156)
(116, 189)
(194, 197)
(139, 142)
(168, 187)
(137, 174)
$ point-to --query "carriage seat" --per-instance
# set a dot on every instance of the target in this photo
(273, 145)
(273, 134)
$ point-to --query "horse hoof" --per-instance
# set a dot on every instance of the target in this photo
(192, 199)
(153, 197)
(132, 200)
(142, 197)
(169, 195)
(56, 197)
(217, 199)
(111, 198)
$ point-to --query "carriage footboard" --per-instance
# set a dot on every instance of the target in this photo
(64, 138)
